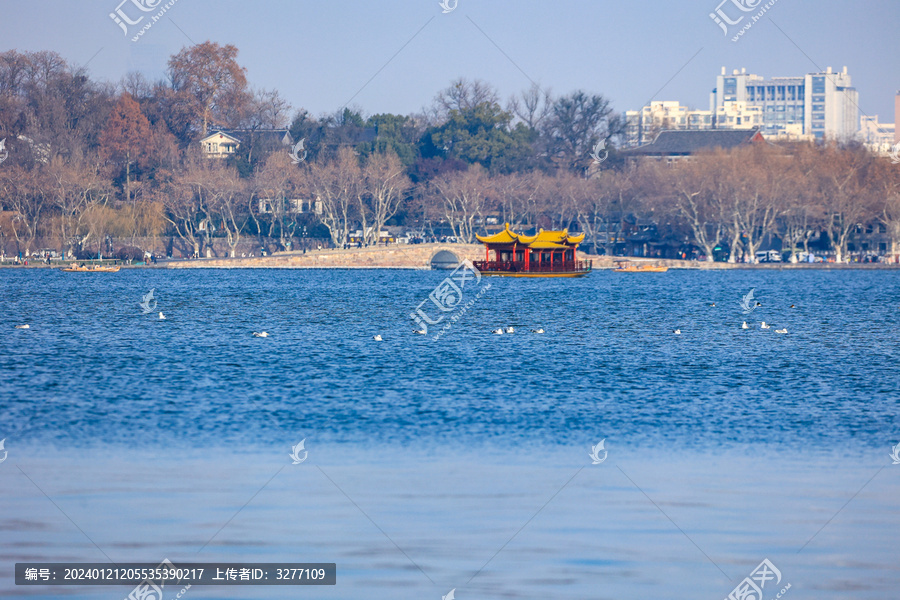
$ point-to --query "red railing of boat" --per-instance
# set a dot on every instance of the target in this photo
(506, 266)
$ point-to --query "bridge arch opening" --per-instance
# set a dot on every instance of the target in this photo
(444, 260)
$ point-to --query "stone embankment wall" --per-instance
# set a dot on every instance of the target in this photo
(419, 256)
(399, 256)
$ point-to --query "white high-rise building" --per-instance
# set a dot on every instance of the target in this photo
(824, 104)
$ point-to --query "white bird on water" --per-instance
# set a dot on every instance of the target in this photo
(23, 326)
(420, 332)
(260, 334)
(537, 331)
(497, 331)
(162, 317)
(377, 338)
(510, 330)
(763, 325)
(781, 330)
(677, 332)
(744, 325)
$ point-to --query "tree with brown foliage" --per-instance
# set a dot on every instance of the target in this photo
(125, 137)
(208, 80)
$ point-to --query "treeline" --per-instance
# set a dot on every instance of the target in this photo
(89, 160)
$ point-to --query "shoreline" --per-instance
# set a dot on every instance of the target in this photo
(418, 257)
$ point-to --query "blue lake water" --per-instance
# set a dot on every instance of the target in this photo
(459, 462)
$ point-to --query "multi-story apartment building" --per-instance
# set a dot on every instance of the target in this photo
(825, 104)
(877, 137)
(738, 115)
(642, 126)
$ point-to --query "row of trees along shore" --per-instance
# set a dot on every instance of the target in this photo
(90, 160)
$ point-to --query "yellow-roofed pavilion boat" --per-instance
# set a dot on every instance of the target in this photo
(544, 254)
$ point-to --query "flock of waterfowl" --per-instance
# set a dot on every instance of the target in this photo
(744, 325)
(498, 331)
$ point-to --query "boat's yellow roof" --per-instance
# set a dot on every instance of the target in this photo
(548, 246)
(540, 240)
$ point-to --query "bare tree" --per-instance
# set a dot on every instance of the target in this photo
(277, 185)
(841, 183)
(603, 202)
(225, 198)
(576, 123)
(463, 194)
(23, 194)
(75, 187)
(519, 196)
(386, 184)
(887, 184)
(334, 186)
(531, 106)
(184, 201)
(463, 94)
(693, 187)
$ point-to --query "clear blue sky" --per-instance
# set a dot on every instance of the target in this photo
(319, 54)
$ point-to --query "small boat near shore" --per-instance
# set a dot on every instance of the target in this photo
(90, 269)
(627, 267)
